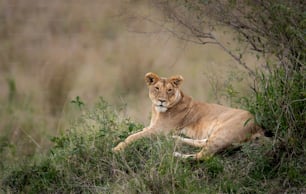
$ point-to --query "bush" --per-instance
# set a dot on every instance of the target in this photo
(280, 108)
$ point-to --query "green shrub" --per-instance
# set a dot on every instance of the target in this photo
(279, 106)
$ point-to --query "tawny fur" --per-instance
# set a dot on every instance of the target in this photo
(209, 126)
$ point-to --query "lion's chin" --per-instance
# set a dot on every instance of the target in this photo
(161, 108)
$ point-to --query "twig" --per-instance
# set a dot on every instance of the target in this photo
(31, 138)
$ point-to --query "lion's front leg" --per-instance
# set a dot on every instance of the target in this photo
(146, 132)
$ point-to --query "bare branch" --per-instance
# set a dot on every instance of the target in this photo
(197, 30)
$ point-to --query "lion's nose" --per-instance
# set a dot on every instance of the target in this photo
(162, 100)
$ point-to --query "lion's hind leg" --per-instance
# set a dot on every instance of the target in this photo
(180, 155)
(202, 155)
(192, 142)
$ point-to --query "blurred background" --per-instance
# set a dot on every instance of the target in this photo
(53, 51)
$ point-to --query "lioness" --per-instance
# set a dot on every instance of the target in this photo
(209, 126)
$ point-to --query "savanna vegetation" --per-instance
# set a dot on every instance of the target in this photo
(58, 57)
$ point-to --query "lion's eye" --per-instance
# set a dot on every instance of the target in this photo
(156, 88)
(169, 90)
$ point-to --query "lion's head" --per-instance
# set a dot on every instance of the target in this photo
(164, 92)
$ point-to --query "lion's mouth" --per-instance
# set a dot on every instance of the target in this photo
(161, 108)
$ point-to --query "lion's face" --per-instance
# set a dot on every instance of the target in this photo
(164, 92)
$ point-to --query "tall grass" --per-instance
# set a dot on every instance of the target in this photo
(81, 160)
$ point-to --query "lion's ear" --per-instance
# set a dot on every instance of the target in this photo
(176, 80)
(151, 78)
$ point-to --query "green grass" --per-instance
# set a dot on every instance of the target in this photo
(81, 161)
